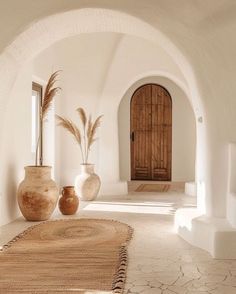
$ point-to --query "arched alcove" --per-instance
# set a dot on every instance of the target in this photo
(183, 126)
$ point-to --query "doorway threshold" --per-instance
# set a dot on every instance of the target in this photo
(155, 186)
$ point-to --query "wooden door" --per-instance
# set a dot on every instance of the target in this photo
(151, 133)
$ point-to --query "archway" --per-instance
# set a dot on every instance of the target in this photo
(184, 128)
(52, 29)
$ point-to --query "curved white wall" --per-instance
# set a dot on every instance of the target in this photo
(49, 30)
(134, 59)
(97, 71)
(196, 33)
(17, 137)
(183, 131)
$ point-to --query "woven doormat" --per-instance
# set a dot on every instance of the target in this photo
(153, 188)
(67, 256)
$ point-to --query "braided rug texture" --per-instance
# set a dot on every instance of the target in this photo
(67, 256)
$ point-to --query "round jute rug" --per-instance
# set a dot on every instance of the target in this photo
(67, 256)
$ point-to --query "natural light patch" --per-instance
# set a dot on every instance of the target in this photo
(88, 291)
(184, 217)
(201, 199)
(143, 203)
(34, 126)
(143, 208)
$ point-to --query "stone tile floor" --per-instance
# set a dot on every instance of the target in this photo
(160, 262)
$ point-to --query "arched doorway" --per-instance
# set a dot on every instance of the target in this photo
(26, 46)
(151, 133)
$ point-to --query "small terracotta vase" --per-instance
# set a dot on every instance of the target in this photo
(69, 202)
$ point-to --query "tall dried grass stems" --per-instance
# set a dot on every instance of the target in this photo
(49, 93)
(86, 137)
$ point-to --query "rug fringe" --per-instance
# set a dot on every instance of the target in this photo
(19, 236)
(120, 275)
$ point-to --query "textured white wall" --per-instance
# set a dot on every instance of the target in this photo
(196, 33)
(183, 131)
(44, 33)
(134, 59)
(84, 60)
(200, 37)
(17, 136)
(97, 70)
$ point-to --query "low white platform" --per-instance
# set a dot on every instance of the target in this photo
(190, 188)
(214, 235)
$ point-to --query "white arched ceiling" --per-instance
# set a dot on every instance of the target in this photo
(47, 31)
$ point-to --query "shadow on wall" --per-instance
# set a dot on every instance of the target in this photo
(12, 210)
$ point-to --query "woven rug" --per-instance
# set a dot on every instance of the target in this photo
(153, 188)
(67, 256)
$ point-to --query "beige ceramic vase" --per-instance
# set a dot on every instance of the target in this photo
(87, 184)
(69, 202)
(37, 194)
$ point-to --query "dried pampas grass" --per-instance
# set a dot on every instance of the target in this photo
(49, 93)
(70, 127)
(89, 131)
(92, 131)
(82, 116)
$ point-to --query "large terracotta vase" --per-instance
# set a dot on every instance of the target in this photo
(37, 194)
(69, 202)
(87, 184)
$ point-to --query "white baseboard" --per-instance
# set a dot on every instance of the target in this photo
(214, 235)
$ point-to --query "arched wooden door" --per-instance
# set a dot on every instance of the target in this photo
(151, 133)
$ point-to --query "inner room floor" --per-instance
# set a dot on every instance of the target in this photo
(160, 262)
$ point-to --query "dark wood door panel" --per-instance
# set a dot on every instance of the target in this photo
(151, 130)
(161, 133)
(142, 160)
(141, 127)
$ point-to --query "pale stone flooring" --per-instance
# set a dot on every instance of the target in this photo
(160, 262)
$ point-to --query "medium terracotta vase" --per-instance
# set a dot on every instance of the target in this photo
(37, 194)
(87, 184)
(69, 202)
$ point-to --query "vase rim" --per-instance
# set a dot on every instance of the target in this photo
(87, 164)
(38, 166)
(68, 187)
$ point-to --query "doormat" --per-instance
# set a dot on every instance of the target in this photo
(153, 188)
(67, 256)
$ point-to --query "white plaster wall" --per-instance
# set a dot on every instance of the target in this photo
(95, 76)
(196, 33)
(97, 69)
(133, 60)
(231, 196)
(17, 136)
(193, 36)
(50, 30)
(183, 131)
(84, 61)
